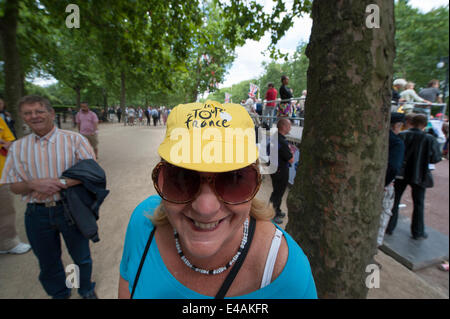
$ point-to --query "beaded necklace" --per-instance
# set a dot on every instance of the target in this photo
(220, 269)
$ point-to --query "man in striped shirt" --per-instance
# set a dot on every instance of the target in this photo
(33, 169)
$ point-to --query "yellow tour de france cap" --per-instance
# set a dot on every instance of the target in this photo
(209, 137)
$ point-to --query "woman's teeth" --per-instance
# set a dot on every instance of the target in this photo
(205, 226)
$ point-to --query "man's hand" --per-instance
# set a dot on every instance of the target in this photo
(5, 144)
(48, 186)
(41, 196)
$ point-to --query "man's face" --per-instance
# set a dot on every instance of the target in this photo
(285, 128)
(288, 127)
(38, 118)
(84, 107)
(397, 128)
(286, 81)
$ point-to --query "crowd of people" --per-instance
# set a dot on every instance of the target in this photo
(412, 154)
(274, 106)
(406, 100)
(205, 219)
(139, 115)
(215, 238)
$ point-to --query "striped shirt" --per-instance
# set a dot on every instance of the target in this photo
(33, 157)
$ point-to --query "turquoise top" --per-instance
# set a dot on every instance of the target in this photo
(156, 282)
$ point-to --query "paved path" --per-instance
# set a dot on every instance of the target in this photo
(128, 155)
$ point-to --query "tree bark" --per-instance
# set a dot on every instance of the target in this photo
(335, 203)
(122, 90)
(105, 99)
(78, 93)
(12, 67)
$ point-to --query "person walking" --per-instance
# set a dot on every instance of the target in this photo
(280, 178)
(87, 122)
(131, 115)
(165, 114)
(9, 240)
(395, 161)
(147, 114)
(119, 113)
(45, 154)
(421, 149)
(111, 114)
(155, 116)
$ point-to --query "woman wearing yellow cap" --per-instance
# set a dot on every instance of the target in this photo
(205, 235)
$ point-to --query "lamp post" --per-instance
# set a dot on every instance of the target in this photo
(441, 64)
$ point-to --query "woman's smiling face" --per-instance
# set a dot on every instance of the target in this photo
(207, 224)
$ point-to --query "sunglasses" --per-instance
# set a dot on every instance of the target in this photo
(181, 186)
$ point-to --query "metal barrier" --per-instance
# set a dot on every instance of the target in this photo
(299, 121)
(443, 106)
(295, 120)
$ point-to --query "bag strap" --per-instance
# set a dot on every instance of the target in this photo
(234, 271)
(142, 261)
(271, 258)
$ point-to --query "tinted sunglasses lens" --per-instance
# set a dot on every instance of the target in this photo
(178, 184)
(237, 186)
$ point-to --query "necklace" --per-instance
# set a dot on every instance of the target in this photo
(220, 269)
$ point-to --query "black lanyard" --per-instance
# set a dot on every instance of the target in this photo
(235, 269)
(228, 280)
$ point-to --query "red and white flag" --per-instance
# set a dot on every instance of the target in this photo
(253, 90)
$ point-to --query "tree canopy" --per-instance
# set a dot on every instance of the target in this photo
(421, 41)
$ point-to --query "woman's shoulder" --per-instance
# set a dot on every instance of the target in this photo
(140, 218)
(292, 276)
(268, 229)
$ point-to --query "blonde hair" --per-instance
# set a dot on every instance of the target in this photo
(258, 210)
(410, 85)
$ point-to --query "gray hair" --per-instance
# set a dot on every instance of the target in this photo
(400, 82)
(31, 99)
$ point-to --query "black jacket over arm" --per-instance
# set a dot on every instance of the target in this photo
(421, 149)
(395, 158)
(83, 201)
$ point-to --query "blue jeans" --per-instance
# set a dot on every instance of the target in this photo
(43, 226)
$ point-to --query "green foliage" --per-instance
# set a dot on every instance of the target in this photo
(295, 68)
(238, 91)
(421, 40)
(38, 90)
(161, 47)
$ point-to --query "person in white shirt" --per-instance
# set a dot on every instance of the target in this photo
(125, 119)
(409, 95)
(131, 115)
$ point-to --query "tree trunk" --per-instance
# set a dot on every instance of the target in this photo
(78, 93)
(122, 90)
(335, 203)
(12, 67)
(105, 99)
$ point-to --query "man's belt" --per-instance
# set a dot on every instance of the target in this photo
(48, 204)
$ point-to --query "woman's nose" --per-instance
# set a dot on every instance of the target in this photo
(206, 203)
